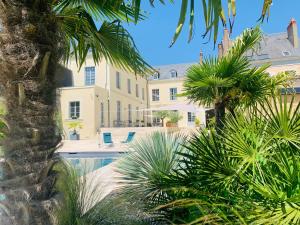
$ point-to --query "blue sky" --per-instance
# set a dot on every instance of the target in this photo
(153, 35)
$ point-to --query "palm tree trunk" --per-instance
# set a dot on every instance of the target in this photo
(232, 111)
(28, 57)
(220, 115)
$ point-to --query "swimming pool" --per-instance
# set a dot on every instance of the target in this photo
(85, 162)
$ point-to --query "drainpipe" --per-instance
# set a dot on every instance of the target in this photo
(108, 89)
(148, 103)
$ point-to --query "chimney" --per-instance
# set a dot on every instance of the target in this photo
(226, 41)
(220, 50)
(201, 57)
(292, 32)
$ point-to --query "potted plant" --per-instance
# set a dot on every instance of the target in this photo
(197, 122)
(162, 115)
(174, 117)
(74, 126)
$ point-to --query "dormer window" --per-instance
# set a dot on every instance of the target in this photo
(286, 53)
(156, 76)
(173, 73)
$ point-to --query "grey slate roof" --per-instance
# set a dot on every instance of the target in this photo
(271, 50)
(165, 70)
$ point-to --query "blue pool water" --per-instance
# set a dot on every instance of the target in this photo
(85, 162)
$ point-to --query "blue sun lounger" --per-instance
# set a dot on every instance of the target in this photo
(107, 139)
(129, 138)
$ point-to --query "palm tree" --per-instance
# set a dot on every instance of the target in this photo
(247, 175)
(34, 36)
(143, 170)
(230, 81)
(252, 169)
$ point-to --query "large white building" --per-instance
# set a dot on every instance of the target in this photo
(103, 96)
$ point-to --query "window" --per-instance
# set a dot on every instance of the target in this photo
(191, 117)
(155, 120)
(155, 95)
(137, 111)
(137, 90)
(143, 93)
(102, 114)
(74, 108)
(118, 111)
(118, 82)
(286, 53)
(89, 75)
(173, 93)
(129, 113)
(129, 86)
(173, 73)
(156, 76)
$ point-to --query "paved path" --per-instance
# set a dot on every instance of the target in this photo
(90, 146)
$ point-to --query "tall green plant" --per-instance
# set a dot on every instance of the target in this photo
(230, 82)
(145, 168)
(247, 174)
(84, 202)
(35, 36)
(162, 115)
(252, 169)
(174, 117)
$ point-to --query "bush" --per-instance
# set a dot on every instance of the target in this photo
(247, 174)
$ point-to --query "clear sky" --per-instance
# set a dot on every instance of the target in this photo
(154, 34)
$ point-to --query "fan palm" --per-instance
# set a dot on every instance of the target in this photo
(247, 175)
(34, 36)
(252, 168)
(144, 169)
(231, 81)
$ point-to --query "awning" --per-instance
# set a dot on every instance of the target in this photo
(178, 107)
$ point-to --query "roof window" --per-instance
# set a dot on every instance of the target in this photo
(286, 53)
(173, 73)
(156, 76)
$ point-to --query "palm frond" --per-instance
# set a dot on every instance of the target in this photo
(84, 203)
(111, 42)
(102, 10)
(145, 171)
(213, 13)
(248, 40)
(283, 114)
(265, 10)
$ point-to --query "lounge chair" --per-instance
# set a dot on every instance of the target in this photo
(107, 139)
(129, 138)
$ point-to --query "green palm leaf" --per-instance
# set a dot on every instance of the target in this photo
(111, 41)
(145, 171)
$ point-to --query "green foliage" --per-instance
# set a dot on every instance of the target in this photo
(174, 117)
(80, 35)
(230, 81)
(247, 174)
(83, 203)
(74, 125)
(145, 168)
(161, 114)
(197, 121)
(213, 13)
